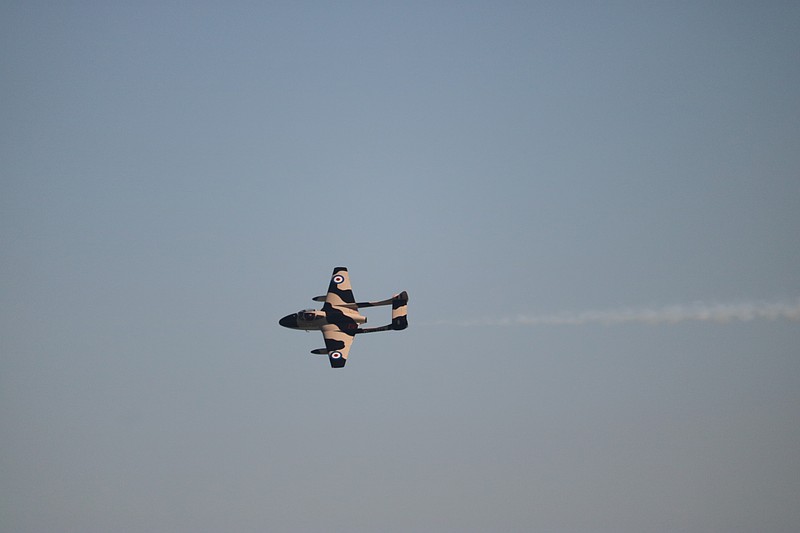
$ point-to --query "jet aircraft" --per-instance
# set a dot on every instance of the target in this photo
(339, 319)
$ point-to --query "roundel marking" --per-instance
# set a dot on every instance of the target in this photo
(338, 279)
(336, 355)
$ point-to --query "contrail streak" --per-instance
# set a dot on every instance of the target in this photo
(673, 314)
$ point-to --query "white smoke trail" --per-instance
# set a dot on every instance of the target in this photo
(673, 314)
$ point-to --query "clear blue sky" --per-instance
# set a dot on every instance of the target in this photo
(176, 176)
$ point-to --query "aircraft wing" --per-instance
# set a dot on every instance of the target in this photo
(338, 344)
(339, 290)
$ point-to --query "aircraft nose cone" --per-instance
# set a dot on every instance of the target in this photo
(289, 321)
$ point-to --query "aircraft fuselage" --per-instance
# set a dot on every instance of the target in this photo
(314, 319)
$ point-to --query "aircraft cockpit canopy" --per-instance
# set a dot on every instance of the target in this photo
(307, 315)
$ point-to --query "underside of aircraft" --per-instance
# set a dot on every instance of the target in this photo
(339, 319)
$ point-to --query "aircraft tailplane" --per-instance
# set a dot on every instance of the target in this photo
(400, 311)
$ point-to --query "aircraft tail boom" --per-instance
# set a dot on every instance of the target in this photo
(399, 303)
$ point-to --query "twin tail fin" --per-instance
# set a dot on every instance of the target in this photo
(399, 314)
(400, 311)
